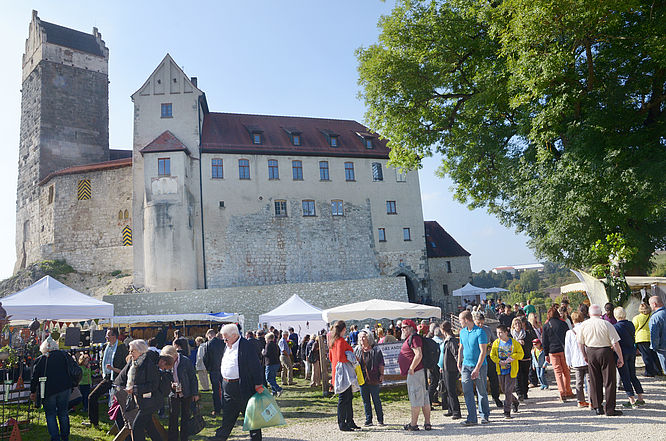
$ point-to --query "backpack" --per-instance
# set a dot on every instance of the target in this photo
(74, 370)
(430, 352)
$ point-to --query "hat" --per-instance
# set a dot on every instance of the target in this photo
(536, 340)
(409, 323)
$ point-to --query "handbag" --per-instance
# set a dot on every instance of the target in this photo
(196, 423)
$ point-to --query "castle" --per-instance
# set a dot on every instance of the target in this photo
(208, 200)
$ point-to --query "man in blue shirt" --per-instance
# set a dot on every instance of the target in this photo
(658, 329)
(285, 360)
(473, 368)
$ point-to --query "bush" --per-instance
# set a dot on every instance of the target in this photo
(55, 268)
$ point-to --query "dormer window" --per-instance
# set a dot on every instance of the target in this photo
(367, 139)
(294, 135)
(333, 140)
(256, 134)
(368, 143)
(296, 139)
(256, 138)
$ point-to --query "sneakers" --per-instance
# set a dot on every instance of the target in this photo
(279, 393)
(485, 421)
(381, 423)
(640, 403)
(628, 405)
(583, 404)
(467, 423)
(368, 423)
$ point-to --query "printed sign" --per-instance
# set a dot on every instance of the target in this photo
(269, 413)
(390, 351)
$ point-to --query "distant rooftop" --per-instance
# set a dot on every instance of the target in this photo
(71, 38)
(439, 243)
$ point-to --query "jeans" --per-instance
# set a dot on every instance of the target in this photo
(345, 410)
(650, 359)
(469, 385)
(541, 375)
(372, 391)
(628, 376)
(661, 353)
(57, 411)
(271, 374)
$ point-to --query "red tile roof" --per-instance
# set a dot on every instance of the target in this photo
(106, 165)
(439, 243)
(232, 133)
(166, 142)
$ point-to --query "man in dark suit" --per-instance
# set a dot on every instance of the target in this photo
(212, 359)
(113, 361)
(241, 378)
(184, 390)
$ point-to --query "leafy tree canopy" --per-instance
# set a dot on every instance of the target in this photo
(549, 113)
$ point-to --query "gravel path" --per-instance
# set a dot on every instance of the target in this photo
(540, 417)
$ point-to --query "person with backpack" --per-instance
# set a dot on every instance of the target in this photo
(54, 366)
(411, 362)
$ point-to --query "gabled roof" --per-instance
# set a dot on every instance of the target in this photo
(439, 243)
(169, 60)
(228, 133)
(98, 166)
(71, 38)
(166, 142)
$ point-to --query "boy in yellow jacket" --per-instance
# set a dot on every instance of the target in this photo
(506, 352)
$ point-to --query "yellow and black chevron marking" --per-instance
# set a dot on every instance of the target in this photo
(127, 236)
(83, 191)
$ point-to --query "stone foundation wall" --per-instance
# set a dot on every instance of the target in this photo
(251, 301)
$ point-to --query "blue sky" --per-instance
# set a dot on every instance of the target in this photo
(265, 57)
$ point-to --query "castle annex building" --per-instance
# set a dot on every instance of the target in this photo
(204, 199)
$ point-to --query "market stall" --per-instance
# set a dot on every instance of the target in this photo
(380, 309)
(294, 313)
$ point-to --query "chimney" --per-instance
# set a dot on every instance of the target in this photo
(194, 81)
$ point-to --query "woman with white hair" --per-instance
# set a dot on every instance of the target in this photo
(140, 378)
(627, 331)
(55, 393)
(372, 365)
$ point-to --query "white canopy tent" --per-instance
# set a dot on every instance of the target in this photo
(295, 313)
(380, 309)
(471, 292)
(48, 299)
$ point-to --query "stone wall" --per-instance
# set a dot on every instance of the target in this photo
(460, 275)
(251, 301)
(88, 234)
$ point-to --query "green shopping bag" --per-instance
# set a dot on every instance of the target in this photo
(262, 411)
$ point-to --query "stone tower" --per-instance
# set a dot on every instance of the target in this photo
(64, 118)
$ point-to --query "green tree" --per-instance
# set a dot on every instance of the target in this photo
(549, 113)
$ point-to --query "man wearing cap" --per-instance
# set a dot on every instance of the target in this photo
(473, 368)
(410, 361)
(597, 340)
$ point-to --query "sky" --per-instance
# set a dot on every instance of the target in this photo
(292, 57)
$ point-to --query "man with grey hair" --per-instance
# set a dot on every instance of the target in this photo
(658, 329)
(241, 378)
(597, 340)
(285, 360)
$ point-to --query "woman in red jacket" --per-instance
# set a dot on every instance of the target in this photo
(337, 348)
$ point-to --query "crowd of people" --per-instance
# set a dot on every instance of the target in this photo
(595, 344)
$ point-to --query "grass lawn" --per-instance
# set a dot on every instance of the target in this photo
(299, 404)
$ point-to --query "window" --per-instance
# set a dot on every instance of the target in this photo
(217, 169)
(163, 167)
(280, 208)
(51, 193)
(126, 214)
(368, 143)
(349, 171)
(448, 266)
(256, 138)
(120, 215)
(323, 170)
(334, 140)
(296, 139)
(297, 170)
(273, 172)
(243, 169)
(391, 208)
(377, 174)
(167, 110)
(382, 234)
(337, 208)
(406, 234)
(445, 288)
(400, 176)
(309, 208)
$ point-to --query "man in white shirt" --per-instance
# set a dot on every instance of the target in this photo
(241, 378)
